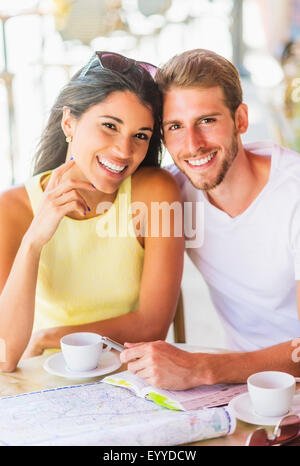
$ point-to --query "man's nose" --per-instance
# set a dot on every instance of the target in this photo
(195, 140)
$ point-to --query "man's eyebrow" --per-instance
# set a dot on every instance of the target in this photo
(170, 122)
(201, 117)
(118, 120)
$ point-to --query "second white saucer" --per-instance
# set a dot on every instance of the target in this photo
(56, 365)
(242, 409)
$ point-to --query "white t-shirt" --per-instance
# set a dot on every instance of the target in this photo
(251, 262)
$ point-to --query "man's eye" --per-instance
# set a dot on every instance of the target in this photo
(175, 126)
(208, 120)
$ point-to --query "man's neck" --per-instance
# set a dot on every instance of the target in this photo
(243, 182)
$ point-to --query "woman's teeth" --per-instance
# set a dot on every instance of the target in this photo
(111, 166)
(202, 161)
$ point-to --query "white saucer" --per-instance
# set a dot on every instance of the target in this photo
(56, 365)
(242, 409)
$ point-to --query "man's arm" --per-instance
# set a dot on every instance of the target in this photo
(165, 366)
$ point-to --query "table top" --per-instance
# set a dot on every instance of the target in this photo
(30, 376)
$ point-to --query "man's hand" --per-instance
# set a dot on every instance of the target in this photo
(163, 365)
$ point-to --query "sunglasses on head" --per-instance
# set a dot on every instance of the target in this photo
(285, 431)
(116, 62)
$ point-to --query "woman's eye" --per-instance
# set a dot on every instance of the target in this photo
(109, 125)
(142, 136)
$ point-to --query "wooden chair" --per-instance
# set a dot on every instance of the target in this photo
(178, 322)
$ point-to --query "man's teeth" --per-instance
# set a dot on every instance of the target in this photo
(111, 166)
(202, 161)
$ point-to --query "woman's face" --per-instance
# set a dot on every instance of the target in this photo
(110, 140)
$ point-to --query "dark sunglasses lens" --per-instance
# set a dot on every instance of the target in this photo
(114, 62)
(258, 438)
(150, 68)
(288, 427)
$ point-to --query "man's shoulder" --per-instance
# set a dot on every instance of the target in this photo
(285, 161)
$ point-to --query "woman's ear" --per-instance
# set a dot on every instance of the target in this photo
(241, 118)
(67, 122)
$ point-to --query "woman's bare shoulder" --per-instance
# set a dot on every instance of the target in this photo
(15, 208)
(154, 183)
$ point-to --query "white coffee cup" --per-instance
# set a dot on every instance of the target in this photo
(271, 392)
(82, 350)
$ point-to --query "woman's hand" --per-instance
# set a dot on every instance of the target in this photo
(48, 338)
(60, 198)
(35, 346)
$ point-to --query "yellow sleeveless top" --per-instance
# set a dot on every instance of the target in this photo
(91, 269)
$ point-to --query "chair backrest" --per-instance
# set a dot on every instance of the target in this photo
(178, 322)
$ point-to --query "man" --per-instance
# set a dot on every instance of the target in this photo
(250, 257)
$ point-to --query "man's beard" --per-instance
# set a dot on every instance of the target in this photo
(230, 155)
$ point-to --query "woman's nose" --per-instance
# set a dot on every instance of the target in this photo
(123, 147)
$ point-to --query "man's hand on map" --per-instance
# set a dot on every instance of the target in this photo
(164, 366)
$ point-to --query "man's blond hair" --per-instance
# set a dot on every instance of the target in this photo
(202, 68)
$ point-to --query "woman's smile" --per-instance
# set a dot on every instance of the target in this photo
(112, 168)
(110, 142)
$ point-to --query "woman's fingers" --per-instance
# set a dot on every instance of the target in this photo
(62, 192)
(69, 185)
(65, 209)
(57, 174)
(60, 198)
(71, 197)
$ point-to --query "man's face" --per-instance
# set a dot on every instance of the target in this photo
(200, 134)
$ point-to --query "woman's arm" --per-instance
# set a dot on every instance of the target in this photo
(162, 271)
(18, 273)
(21, 241)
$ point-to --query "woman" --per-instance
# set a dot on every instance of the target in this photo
(59, 272)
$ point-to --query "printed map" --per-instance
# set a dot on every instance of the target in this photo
(99, 414)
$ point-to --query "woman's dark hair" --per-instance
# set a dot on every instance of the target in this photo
(82, 93)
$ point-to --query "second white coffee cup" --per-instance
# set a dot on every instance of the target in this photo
(82, 350)
(271, 392)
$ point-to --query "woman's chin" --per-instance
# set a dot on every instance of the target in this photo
(106, 188)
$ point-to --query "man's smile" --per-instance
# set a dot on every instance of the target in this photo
(201, 163)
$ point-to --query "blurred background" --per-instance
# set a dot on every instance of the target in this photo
(44, 42)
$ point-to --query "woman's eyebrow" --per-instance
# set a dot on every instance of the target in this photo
(146, 128)
(118, 120)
